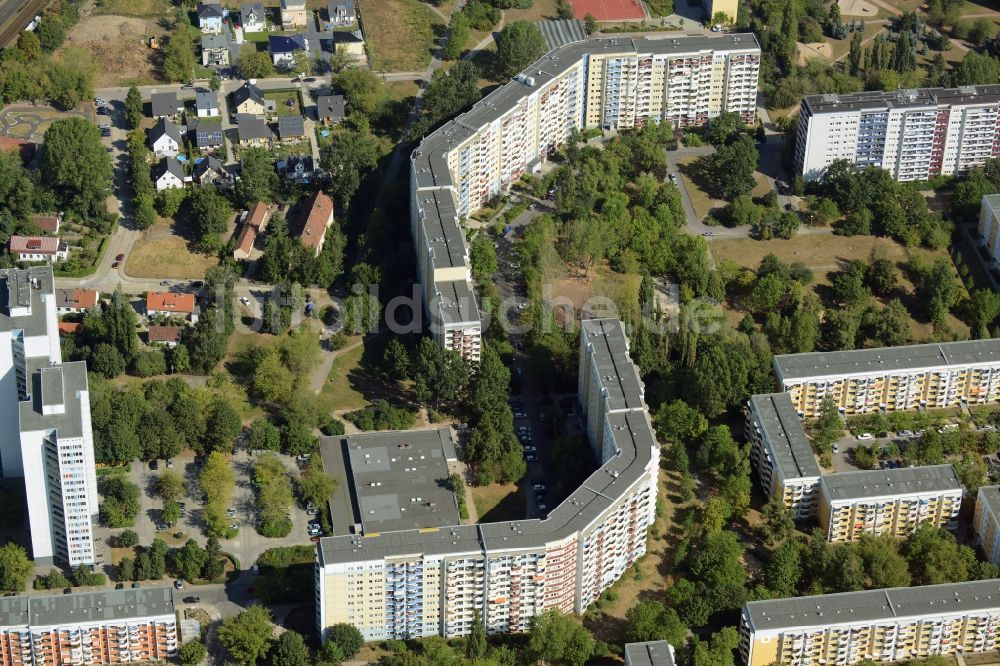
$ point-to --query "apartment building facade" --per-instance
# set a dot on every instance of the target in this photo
(989, 226)
(45, 427)
(888, 625)
(434, 581)
(914, 134)
(782, 455)
(614, 83)
(937, 375)
(889, 501)
(83, 628)
(986, 522)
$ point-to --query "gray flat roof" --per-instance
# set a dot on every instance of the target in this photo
(586, 505)
(439, 220)
(874, 605)
(790, 367)
(882, 482)
(73, 379)
(782, 428)
(22, 288)
(51, 383)
(650, 653)
(399, 479)
(456, 303)
(991, 498)
(619, 376)
(108, 605)
(13, 611)
(561, 32)
(906, 98)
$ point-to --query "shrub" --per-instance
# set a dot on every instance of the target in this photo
(332, 427)
(126, 539)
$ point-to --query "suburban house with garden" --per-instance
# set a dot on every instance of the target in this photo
(293, 14)
(168, 174)
(171, 305)
(210, 16)
(211, 171)
(214, 51)
(252, 17)
(349, 43)
(254, 223)
(253, 132)
(318, 221)
(167, 336)
(165, 138)
(38, 248)
(283, 49)
(207, 104)
(330, 109)
(208, 134)
(341, 14)
(48, 224)
(75, 301)
(248, 100)
(165, 105)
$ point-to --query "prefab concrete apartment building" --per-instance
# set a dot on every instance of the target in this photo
(914, 134)
(936, 375)
(45, 428)
(611, 83)
(83, 628)
(434, 581)
(986, 522)
(887, 625)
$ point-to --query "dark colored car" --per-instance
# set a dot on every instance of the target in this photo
(192, 600)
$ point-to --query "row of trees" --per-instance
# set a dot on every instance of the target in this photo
(274, 497)
(248, 639)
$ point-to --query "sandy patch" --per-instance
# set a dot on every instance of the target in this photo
(814, 50)
(857, 8)
(119, 46)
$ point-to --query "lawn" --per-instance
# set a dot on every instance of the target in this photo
(498, 502)
(540, 9)
(281, 99)
(339, 387)
(164, 251)
(400, 34)
(825, 254)
(700, 200)
(840, 47)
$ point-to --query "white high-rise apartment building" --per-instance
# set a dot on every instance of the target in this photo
(45, 428)
(914, 134)
(422, 582)
(611, 83)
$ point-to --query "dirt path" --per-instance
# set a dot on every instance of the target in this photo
(320, 373)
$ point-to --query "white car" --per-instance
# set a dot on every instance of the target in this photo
(865, 436)
(836, 448)
(244, 300)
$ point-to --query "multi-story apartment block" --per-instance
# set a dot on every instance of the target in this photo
(83, 628)
(611, 83)
(986, 522)
(890, 501)
(781, 453)
(914, 134)
(45, 429)
(888, 625)
(408, 583)
(947, 374)
(989, 227)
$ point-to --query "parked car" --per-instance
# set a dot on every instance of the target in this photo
(192, 600)
(865, 436)
(530, 457)
(179, 584)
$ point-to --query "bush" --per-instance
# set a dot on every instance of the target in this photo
(275, 529)
(55, 580)
(380, 415)
(192, 653)
(149, 364)
(121, 502)
(84, 576)
(127, 539)
(332, 427)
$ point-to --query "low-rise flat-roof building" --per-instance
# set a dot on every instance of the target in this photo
(889, 501)
(888, 625)
(936, 375)
(986, 522)
(649, 653)
(781, 453)
(106, 627)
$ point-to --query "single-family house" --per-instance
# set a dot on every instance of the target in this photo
(75, 300)
(330, 109)
(47, 224)
(293, 14)
(248, 100)
(319, 220)
(254, 223)
(284, 47)
(168, 174)
(340, 14)
(165, 138)
(208, 134)
(169, 304)
(70, 328)
(169, 336)
(207, 104)
(252, 16)
(211, 171)
(214, 51)
(253, 132)
(38, 248)
(297, 168)
(165, 105)
(349, 43)
(210, 16)
(291, 128)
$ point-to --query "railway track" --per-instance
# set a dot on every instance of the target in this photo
(15, 15)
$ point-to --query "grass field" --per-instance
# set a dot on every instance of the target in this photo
(540, 9)
(165, 251)
(498, 502)
(826, 254)
(400, 34)
(341, 391)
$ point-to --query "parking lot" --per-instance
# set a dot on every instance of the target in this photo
(890, 448)
(247, 545)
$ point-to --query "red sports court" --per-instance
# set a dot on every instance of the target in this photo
(609, 10)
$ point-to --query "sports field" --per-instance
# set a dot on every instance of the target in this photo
(609, 10)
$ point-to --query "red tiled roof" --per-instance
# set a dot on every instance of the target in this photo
(257, 215)
(79, 298)
(46, 223)
(165, 301)
(245, 241)
(69, 327)
(34, 244)
(25, 148)
(165, 333)
(319, 214)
